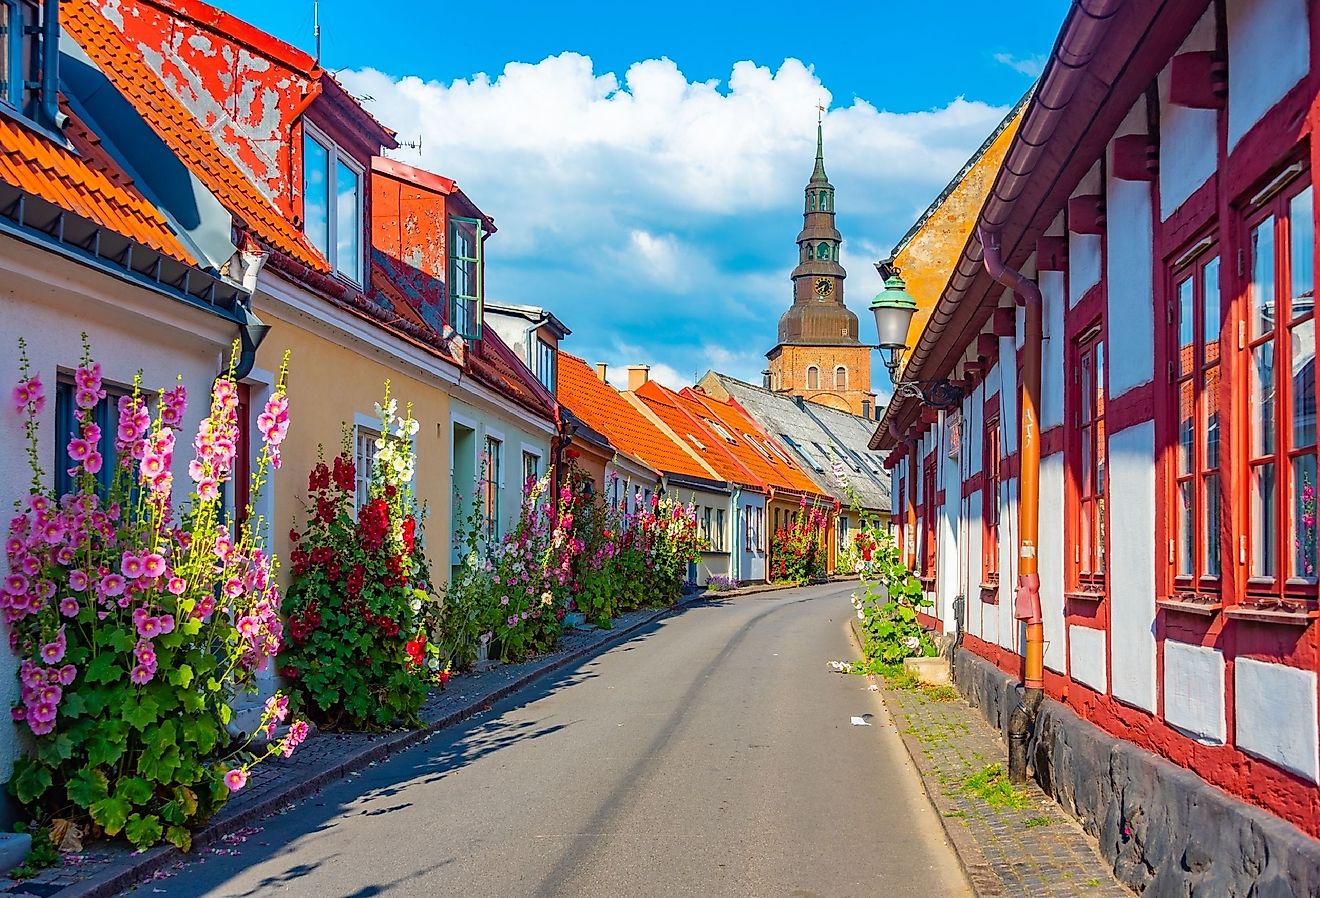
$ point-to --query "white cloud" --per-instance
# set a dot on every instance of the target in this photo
(1031, 66)
(662, 212)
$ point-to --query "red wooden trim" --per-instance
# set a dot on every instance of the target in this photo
(930, 416)
(987, 346)
(1136, 406)
(1198, 80)
(973, 485)
(929, 622)
(940, 497)
(1086, 214)
(1051, 441)
(1261, 149)
(1009, 467)
(1052, 254)
(1178, 233)
(1134, 158)
(1004, 322)
(1089, 309)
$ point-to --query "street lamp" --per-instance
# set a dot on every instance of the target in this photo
(893, 309)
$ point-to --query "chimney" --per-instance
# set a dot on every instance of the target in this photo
(601, 370)
(765, 379)
(866, 409)
(638, 375)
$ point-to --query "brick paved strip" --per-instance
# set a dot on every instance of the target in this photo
(329, 757)
(1006, 852)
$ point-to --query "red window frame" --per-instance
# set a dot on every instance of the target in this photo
(928, 517)
(1196, 465)
(1087, 460)
(991, 459)
(1278, 439)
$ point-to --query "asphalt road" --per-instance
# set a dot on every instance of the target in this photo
(712, 755)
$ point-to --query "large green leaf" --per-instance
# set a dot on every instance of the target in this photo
(111, 814)
(141, 713)
(179, 837)
(103, 669)
(134, 789)
(55, 748)
(143, 832)
(103, 750)
(88, 786)
(181, 676)
(30, 781)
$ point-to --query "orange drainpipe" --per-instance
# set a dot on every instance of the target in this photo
(1026, 605)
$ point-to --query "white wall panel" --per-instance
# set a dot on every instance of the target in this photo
(1132, 563)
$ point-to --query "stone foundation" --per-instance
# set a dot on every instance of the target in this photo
(1166, 832)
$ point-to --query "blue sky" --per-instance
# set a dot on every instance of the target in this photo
(645, 164)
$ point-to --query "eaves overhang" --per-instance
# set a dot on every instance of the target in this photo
(1108, 52)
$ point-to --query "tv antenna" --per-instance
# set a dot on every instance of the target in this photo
(412, 144)
(316, 28)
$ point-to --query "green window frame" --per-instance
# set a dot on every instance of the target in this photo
(466, 271)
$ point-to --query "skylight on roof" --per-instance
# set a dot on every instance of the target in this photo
(719, 430)
(696, 442)
(751, 442)
(804, 452)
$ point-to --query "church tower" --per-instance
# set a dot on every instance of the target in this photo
(818, 356)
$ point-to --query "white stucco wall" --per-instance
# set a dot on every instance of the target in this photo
(751, 562)
(1084, 249)
(1268, 52)
(1194, 691)
(1052, 371)
(1132, 563)
(1008, 627)
(1050, 559)
(1274, 714)
(1129, 286)
(951, 535)
(1189, 142)
(1086, 657)
(516, 432)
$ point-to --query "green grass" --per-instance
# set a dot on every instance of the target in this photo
(902, 678)
(941, 693)
(1036, 821)
(991, 785)
(955, 813)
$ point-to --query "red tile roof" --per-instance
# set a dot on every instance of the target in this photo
(749, 445)
(605, 410)
(182, 133)
(84, 185)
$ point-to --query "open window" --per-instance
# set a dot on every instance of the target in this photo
(466, 296)
(332, 203)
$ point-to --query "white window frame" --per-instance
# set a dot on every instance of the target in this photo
(335, 155)
(364, 458)
(495, 522)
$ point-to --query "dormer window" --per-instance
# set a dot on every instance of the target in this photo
(332, 203)
(465, 277)
(23, 77)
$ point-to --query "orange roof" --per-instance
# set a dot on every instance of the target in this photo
(750, 447)
(603, 409)
(36, 164)
(721, 443)
(181, 132)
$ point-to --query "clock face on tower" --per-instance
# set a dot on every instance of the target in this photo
(824, 287)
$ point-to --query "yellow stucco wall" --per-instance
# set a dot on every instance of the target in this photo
(330, 384)
(927, 260)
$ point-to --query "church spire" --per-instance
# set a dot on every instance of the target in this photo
(818, 176)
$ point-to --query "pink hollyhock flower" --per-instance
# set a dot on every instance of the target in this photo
(277, 708)
(31, 565)
(177, 585)
(30, 675)
(166, 623)
(19, 713)
(93, 463)
(79, 449)
(141, 674)
(67, 673)
(16, 584)
(78, 580)
(69, 607)
(131, 565)
(50, 694)
(112, 585)
(204, 607)
(233, 587)
(85, 398)
(149, 627)
(153, 564)
(208, 489)
(42, 712)
(248, 625)
(297, 736)
(64, 556)
(53, 651)
(41, 727)
(152, 466)
(145, 653)
(236, 779)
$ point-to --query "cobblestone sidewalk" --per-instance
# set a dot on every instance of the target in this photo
(1011, 842)
(107, 868)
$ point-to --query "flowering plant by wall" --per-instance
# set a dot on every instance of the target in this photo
(360, 609)
(138, 621)
(796, 555)
(891, 595)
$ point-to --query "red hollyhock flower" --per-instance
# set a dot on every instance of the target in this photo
(416, 650)
(319, 478)
(345, 474)
(294, 536)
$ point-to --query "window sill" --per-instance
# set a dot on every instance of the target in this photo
(927, 583)
(1293, 615)
(1206, 605)
(1087, 596)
